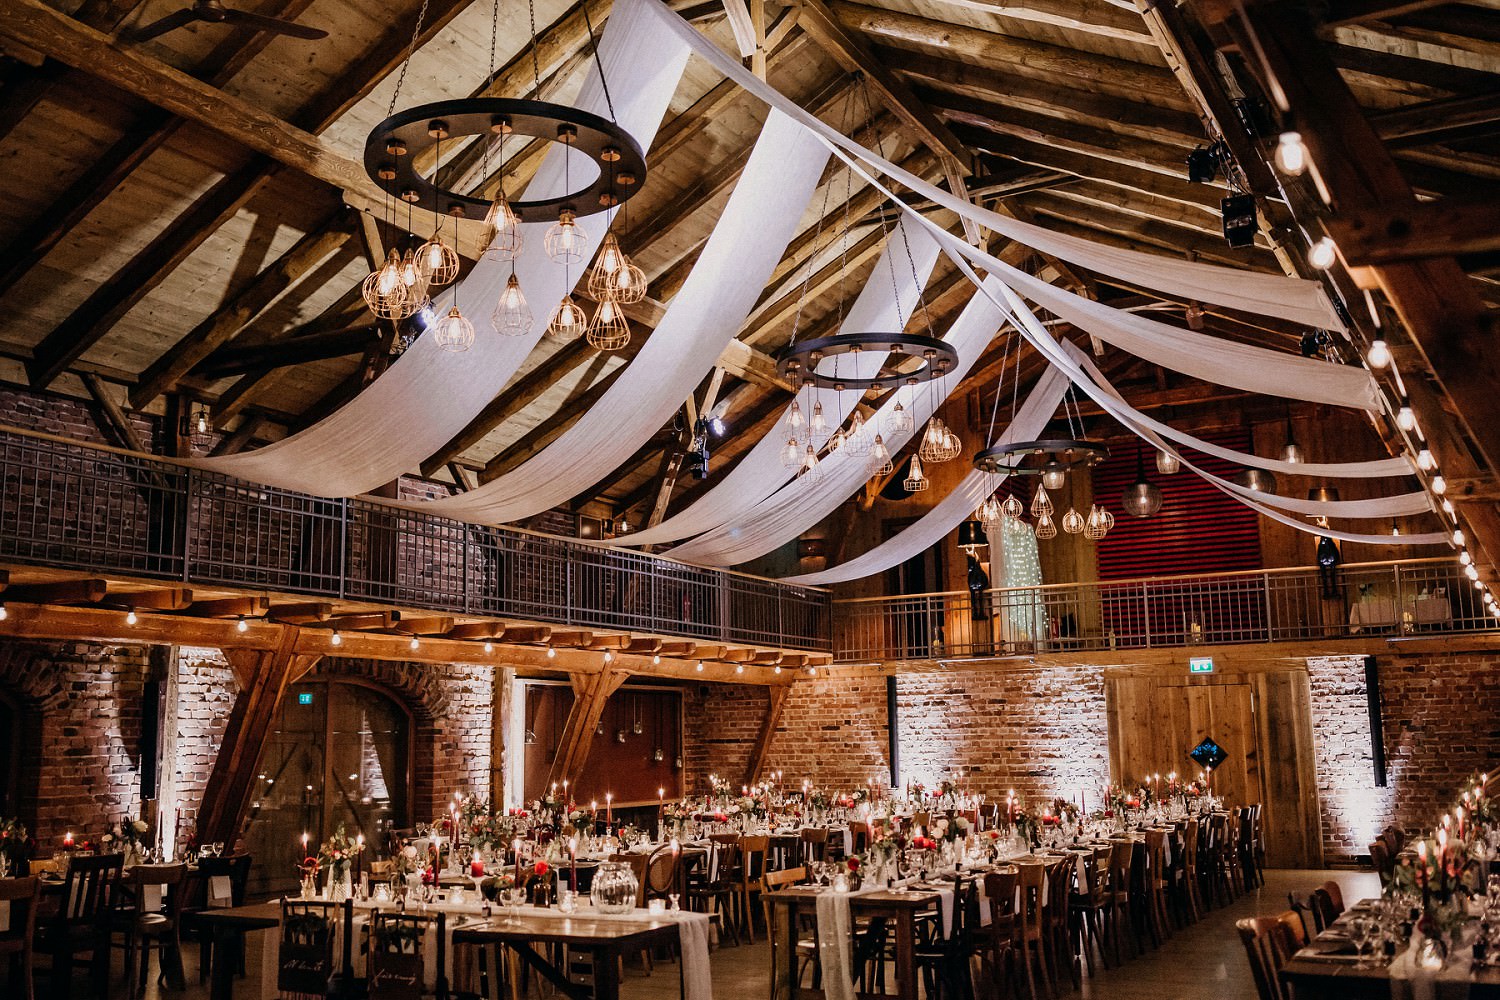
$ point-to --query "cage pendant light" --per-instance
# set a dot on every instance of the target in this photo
(1045, 528)
(989, 512)
(1012, 507)
(915, 481)
(614, 275)
(939, 444)
(438, 261)
(857, 440)
(900, 421)
(791, 455)
(454, 332)
(880, 458)
(568, 321)
(837, 440)
(566, 242)
(1095, 528)
(384, 291)
(795, 422)
(1072, 522)
(819, 423)
(609, 331)
(502, 230)
(810, 471)
(512, 315)
(1041, 503)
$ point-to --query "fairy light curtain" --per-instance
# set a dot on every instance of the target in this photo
(1016, 568)
(885, 303)
(430, 394)
(751, 235)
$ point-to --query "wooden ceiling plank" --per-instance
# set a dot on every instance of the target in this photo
(300, 614)
(230, 607)
(166, 599)
(226, 322)
(1443, 228)
(1092, 17)
(1341, 12)
(90, 591)
(233, 360)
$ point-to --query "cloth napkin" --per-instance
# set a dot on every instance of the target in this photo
(697, 979)
(833, 945)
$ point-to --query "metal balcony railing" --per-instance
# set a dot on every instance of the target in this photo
(1414, 596)
(72, 506)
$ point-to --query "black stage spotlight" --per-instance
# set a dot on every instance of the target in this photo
(1203, 165)
(1240, 225)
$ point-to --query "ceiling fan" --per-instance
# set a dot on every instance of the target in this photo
(213, 12)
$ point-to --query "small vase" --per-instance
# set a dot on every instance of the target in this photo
(340, 885)
(309, 887)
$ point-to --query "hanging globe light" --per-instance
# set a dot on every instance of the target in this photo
(1258, 480)
(609, 331)
(1012, 507)
(502, 231)
(566, 242)
(414, 280)
(568, 321)
(614, 275)
(1141, 498)
(791, 455)
(880, 458)
(512, 316)
(453, 332)
(1041, 504)
(915, 482)
(989, 512)
(795, 422)
(810, 471)
(383, 290)
(1054, 476)
(819, 423)
(900, 421)
(1167, 464)
(1045, 528)
(438, 261)
(857, 441)
(1072, 522)
(1094, 527)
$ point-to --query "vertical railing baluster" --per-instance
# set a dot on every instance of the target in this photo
(1146, 613)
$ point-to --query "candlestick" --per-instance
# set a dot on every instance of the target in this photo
(360, 841)
(573, 866)
(609, 811)
(68, 839)
(516, 846)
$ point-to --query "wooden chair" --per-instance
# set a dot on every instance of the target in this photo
(943, 960)
(1158, 883)
(1323, 911)
(771, 882)
(1258, 935)
(1031, 930)
(482, 970)
(711, 889)
(752, 879)
(1117, 898)
(1382, 861)
(18, 941)
(304, 959)
(1248, 850)
(995, 941)
(202, 897)
(81, 925)
(152, 921)
(1190, 891)
(1335, 896)
(814, 844)
(1086, 910)
(663, 873)
(1060, 873)
(395, 962)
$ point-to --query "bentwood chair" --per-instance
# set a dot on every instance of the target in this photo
(771, 883)
(943, 960)
(1117, 900)
(1086, 909)
(152, 921)
(18, 940)
(81, 926)
(1059, 939)
(712, 885)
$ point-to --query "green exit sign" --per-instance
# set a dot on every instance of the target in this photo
(305, 697)
(1201, 665)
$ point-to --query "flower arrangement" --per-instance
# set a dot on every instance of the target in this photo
(15, 842)
(128, 833)
(404, 862)
(339, 850)
(947, 787)
(915, 790)
(818, 799)
(581, 818)
(1065, 809)
(954, 829)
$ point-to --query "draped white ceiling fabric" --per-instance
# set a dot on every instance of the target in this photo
(748, 241)
(1250, 498)
(800, 504)
(1027, 425)
(884, 304)
(429, 394)
(1293, 299)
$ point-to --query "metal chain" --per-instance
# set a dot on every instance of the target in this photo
(411, 50)
(536, 69)
(603, 80)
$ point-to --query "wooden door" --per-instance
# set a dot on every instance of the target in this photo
(1262, 722)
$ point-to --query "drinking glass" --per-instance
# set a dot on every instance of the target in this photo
(1360, 929)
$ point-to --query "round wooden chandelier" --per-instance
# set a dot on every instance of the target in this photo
(1045, 457)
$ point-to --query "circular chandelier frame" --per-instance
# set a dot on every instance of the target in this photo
(393, 147)
(1068, 453)
(798, 363)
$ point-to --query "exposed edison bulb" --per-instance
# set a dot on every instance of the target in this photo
(1379, 354)
(1054, 476)
(1458, 537)
(1291, 154)
(1012, 507)
(856, 440)
(411, 274)
(512, 315)
(202, 422)
(438, 261)
(795, 422)
(791, 455)
(1406, 419)
(454, 332)
(1439, 485)
(390, 275)
(609, 331)
(383, 291)
(880, 458)
(336, 639)
(901, 421)
(566, 242)
(915, 481)
(1425, 461)
(1464, 558)
(809, 471)
(1167, 464)
(1041, 503)
(568, 321)
(1072, 522)
(819, 423)
(1471, 572)
(1322, 254)
(1045, 529)
(503, 227)
(1447, 506)
(242, 626)
(130, 617)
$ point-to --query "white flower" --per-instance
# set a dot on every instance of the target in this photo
(941, 826)
(409, 851)
(140, 826)
(107, 838)
(962, 822)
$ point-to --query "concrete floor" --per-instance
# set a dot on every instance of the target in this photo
(1205, 960)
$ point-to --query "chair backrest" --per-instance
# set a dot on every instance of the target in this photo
(814, 844)
(638, 864)
(1256, 933)
(236, 868)
(753, 858)
(1090, 884)
(169, 879)
(786, 876)
(480, 969)
(921, 819)
(965, 913)
(1156, 852)
(1000, 890)
(1381, 861)
(1394, 838)
(723, 838)
(304, 963)
(1323, 909)
(1335, 896)
(1033, 881)
(22, 895)
(859, 836)
(1120, 853)
(395, 963)
(89, 889)
(722, 860)
(1059, 886)
(1190, 845)
(1294, 928)
(661, 872)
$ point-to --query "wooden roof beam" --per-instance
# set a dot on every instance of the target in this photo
(1341, 12)
(89, 591)
(300, 614)
(229, 607)
(232, 360)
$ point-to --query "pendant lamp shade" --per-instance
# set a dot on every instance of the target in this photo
(1142, 498)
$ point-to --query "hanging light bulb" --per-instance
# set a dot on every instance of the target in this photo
(568, 321)
(1290, 452)
(989, 512)
(438, 261)
(819, 423)
(414, 280)
(1379, 355)
(791, 455)
(609, 331)
(1458, 537)
(1322, 254)
(383, 290)
(900, 420)
(1072, 522)
(880, 458)
(614, 275)
(1167, 464)
(857, 441)
(1447, 506)
(512, 316)
(795, 422)
(503, 231)
(952, 445)
(1291, 154)
(837, 441)
(809, 472)
(566, 242)
(202, 421)
(915, 482)
(1012, 507)
(1045, 528)
(1406, 419)
(1439, 485)
(453, 332)
(1425, 461)
(1054, 475)
(1041, 504)
(1107, 518)
(939, 444)
(1142, 498)
(1095, 528)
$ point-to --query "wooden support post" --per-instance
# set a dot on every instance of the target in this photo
(590, 694)
(263, 676)
(777, 695)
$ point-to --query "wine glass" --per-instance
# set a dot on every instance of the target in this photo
(1359, 933)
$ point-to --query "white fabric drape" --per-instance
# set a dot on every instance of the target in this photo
(1268, 295)
(429, 394)
(801, 504)
(885, 303)
(1027, 425)
(748, 241)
